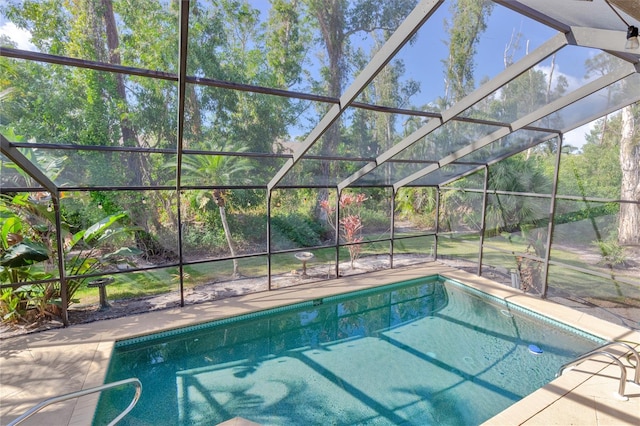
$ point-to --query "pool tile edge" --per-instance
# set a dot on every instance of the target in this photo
(105, 333)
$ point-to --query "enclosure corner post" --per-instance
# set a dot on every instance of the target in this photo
(435, 242)
(483, 223)
(268, 239)
(552, 214)
(337, 230)
(393, 225)
(182, 83)
(64, 296)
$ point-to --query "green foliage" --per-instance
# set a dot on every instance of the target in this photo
(23, 254)
(375, 220)
(588, 213)
(298, 230)
(595, 171)
(19, 255)
(613, 254)
(23, 260)
(416, 205)
(519, 174)
(474, 180)
(251, 229)
(214, 169)
(84, 249)
(246, 200)
(12, 305)
(285, 41)
(510, 212)
(26, 303)
(468, 23)
(209, 239)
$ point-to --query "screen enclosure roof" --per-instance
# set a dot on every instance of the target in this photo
(437, 137)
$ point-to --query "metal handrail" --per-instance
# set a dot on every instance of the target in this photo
(623, 370)
(77, 394)
(636, 377)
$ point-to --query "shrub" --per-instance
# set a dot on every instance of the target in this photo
(350, 225)
(23, 259)
(250, 228)
(375, 220)
(298, 229)
(612, 252)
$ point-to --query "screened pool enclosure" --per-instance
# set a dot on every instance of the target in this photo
(222, 147)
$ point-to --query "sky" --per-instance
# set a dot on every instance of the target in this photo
(18, 35)
(423, 59)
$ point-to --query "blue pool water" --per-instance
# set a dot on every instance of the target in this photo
(428, 351)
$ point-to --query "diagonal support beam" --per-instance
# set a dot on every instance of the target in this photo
(589, 119)
(612, 41)
(547, 49)
(399, 38)
(546, 110)
(17, 157)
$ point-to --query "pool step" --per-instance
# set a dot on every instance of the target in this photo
(238, 421)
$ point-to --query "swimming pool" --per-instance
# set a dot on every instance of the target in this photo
(426, 351)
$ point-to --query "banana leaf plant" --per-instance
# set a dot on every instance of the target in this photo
(16, 266)
(17, 252)
(19, 257)
(24, 260)
(85, 251)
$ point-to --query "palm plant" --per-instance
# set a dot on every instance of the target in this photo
(512, 211)
(416, 204)
(222, 170)
(522, 213)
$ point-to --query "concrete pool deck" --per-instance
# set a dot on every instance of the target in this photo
(50, 363)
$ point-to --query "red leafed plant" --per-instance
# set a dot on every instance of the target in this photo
(350, 224)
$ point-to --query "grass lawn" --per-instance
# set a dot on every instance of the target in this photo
(147, 283)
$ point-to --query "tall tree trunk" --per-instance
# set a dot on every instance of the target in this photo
(227, 234)
(330, 15)
(137, 165)
(467, 23)
(218, 198)
(331, 18)
(629, 221)
(194, 115)
(129, 137)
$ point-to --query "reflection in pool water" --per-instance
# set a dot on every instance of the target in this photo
(421, 352)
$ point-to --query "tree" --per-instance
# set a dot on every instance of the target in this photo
(627, 137)
(222, 170)
(55, 104)
(228, 42)
(372, 132)
(595, 170)
(337, 21)
(523, 175)
(468, 22)
(629, 221)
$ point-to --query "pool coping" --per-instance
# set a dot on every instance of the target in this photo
(65, 360)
